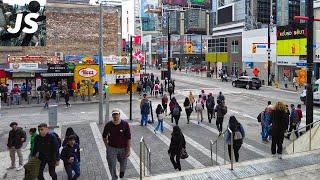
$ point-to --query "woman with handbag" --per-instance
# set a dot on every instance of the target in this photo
(160, 116)
(188, 108)
(177, 148)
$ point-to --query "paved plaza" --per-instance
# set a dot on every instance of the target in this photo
(83, 118)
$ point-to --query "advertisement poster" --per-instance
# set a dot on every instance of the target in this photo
(22, 23)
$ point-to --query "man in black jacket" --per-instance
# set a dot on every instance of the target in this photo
(46, 148)
(210, 107)
(17, 136)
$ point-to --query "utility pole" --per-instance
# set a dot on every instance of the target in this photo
(131, 78)
(169, 44)
(100, 67)
(270, 25)
(309, 99)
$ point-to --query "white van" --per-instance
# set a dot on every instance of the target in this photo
(316, 93)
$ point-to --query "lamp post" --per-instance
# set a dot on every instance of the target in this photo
(270, 25)
(100, 66)
(169, 45)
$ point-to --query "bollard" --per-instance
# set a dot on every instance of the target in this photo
(38, 97)
(29, 99)
(53, 116)
(57, 97)
(9, 100)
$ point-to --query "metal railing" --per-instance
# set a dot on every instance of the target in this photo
(215, 142)
(145, 158)
(309, 126)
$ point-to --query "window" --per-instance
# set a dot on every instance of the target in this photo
(217, 45)
(235, 46)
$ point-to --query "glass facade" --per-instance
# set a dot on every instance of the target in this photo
(218, 45)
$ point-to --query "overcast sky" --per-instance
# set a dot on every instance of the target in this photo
(23, 2)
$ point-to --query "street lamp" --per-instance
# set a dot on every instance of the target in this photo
(101, 66)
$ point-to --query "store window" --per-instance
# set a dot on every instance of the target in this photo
(235, 46)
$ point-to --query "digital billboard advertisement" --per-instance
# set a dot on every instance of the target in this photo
(205, 4)
(22, 23)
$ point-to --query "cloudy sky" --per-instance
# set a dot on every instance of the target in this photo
(23, 2)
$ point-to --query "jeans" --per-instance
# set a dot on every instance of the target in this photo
(144, 119)
(219, 123)
(265, 133)
(210, 114)
(199, 113)
(114, 155)
(175, 162)
(52, 169)
(160, 125)
(12, 152)
(75, 166)
(276, 145)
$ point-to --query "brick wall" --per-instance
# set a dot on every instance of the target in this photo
(73, 30)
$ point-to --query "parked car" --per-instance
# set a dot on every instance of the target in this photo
(247, 82)
(316, 93)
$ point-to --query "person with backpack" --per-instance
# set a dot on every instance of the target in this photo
(173, 86)
(188, 108)
(210, 104)
(17, 136)
(176, 110)
(33, 134)
(67, 98)
(238, 135)
(160, 116)
(145, 110)
(293, 121)
(165, 84)
(157, 81)
(221, 111)
(199, 109)
(165, 103)
(70, 155)
(177, 145)
(280, 121)
(46, 99)
(221, 98)
(46, 148)
(70, 132)
(170, 89)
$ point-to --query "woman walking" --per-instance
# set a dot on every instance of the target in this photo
(238, 135)
(199, 109)
(280, 122)
(191, 99)
(160, 116)
(176, 110)
(176, 145)
(67, 98)
(188, 108)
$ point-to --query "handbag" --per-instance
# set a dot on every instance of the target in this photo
(184, 154)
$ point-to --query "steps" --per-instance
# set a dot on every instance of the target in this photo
(262, 168)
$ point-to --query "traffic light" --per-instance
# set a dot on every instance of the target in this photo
(254, 49)
(189, 48)
(302, 77)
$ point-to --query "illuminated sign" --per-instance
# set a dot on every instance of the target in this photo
(291, 47)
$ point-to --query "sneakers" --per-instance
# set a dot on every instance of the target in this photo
(20, 167)
(121, 175)
(155, 132)
(279, 156)
(11, 167)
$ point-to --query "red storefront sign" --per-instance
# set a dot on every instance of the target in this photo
(2, 74)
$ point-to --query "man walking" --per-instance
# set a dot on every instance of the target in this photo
(17, 136)
(293, 121)
(145, 110)
(210, 107)
(46, 148)
(117, 138)
(221, 110)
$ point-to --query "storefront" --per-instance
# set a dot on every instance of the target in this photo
(118, 77)
(58, 74)
(3, 76)
(289, 66)
(86, 75)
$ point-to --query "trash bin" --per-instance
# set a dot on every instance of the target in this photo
(29, 99)
(53, 116)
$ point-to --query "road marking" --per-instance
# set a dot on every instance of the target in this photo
(191, 160)
(101, 147)
(135, 160)
(197, 145)
(247, 146)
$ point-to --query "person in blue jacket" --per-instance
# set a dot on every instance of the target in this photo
(238, 135)
(70, 155)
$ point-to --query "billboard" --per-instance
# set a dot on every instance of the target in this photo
(292, 47)
(205, 4)
(22, 23)
(295, 31)
(225, 15)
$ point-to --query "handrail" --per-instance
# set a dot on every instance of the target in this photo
(232, 150)
(289, 133)
(143, 148)
(215, 142)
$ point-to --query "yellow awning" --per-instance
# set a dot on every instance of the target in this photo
(217, 57)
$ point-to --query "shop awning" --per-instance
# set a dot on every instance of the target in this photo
(56, 74)
(124, 67)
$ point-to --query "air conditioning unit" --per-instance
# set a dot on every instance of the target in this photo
(59, 54)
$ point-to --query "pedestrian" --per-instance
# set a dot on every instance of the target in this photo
(210, 104)
(175, 110)
(160, 116)
(199, 109)
(221, 98)
(46, 148)
(46, 99)
(161, 89)
(188, 108)
(17, 136)
(265, 120)
(145, 110)
(117, 139)
(221, 111)
(157, 81)
(165, 84)
(293, 121)
(203, 95)
(170, 89)
(140, 88)
(177, 145)
(279, 126)
(300, 115)
(191, 99)
(152, 77)
(70, 132)
(173, 85)
(128, 87)
(33, 134)
(96, 88)
(165, 104)
(67, 98)
(156, 90)
(70, 155)
(238, 135)
(285, 80)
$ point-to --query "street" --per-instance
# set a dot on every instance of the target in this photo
(244, 104)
